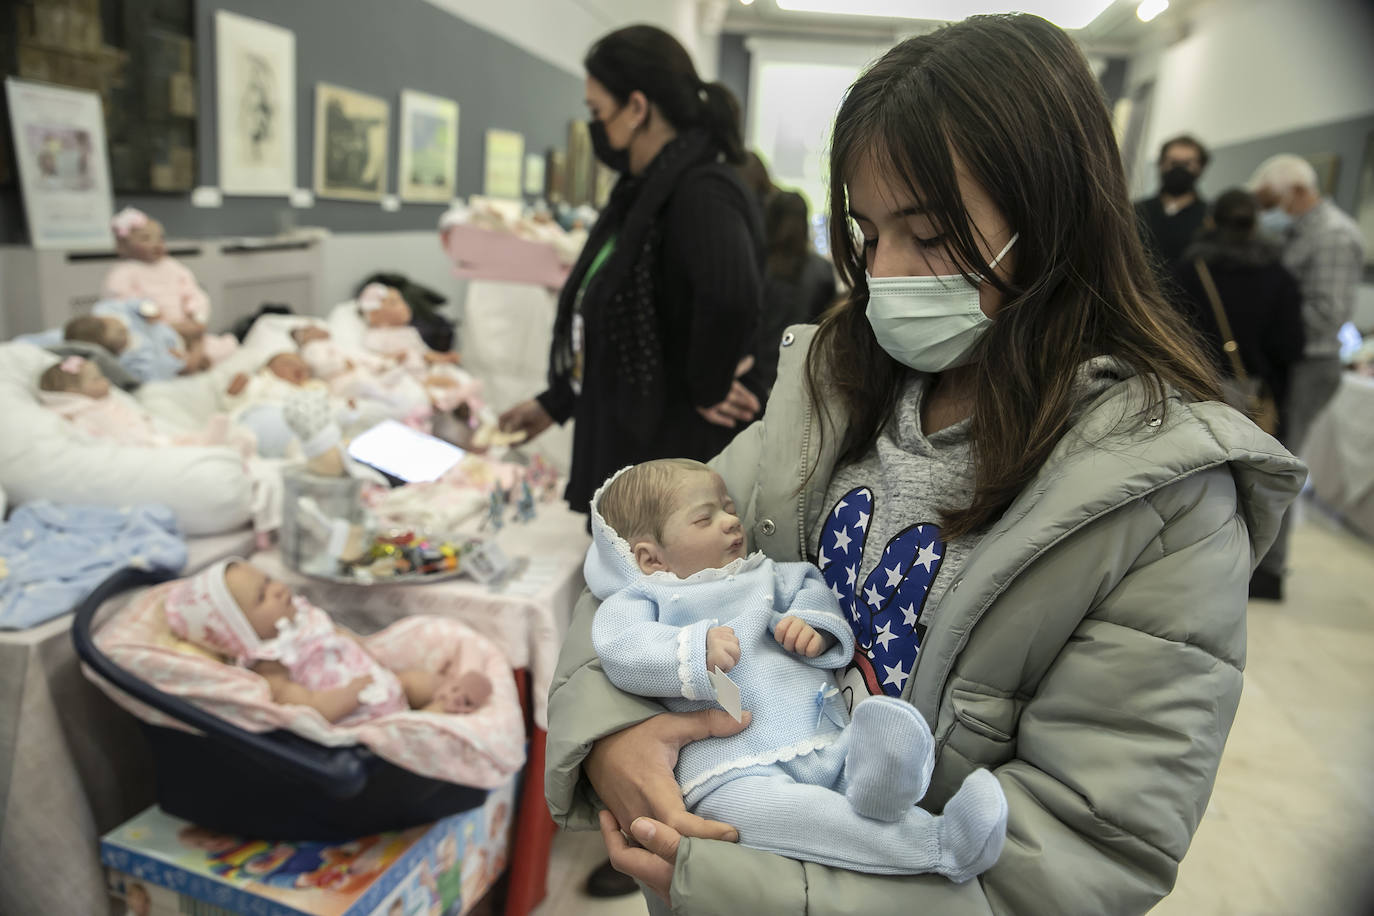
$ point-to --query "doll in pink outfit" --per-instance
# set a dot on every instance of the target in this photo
(148, 272)
(235, 610)
(77, 390)
(390, 335)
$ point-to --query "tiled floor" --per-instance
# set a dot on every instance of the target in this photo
(1291, 823)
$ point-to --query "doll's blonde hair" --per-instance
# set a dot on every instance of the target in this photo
(638, 502)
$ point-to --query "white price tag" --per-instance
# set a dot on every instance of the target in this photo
(727, 693)
(391, 203)
(302, 198)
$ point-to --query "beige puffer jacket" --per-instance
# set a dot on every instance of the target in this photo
(1089, 653)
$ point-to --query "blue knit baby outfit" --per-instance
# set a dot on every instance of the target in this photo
(803, 780)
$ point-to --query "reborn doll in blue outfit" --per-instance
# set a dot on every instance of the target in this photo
(680, 598)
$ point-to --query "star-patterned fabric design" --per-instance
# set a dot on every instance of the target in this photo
(884, 611)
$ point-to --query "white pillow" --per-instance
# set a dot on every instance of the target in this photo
(43, 457)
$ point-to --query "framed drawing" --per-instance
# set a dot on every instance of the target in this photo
(1328, 168)
(555, 176)
(350, 144)
(59, 139)
(1364, 199)
(429, 148)
(255, 91)
(579, 183)
(505, 157)
(534, 175)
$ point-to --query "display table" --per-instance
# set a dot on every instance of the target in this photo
(72, 764)
(528, 617)
(1340, 453)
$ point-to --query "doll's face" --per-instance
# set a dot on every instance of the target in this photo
(703, 531)
(394, 312)
(466, 693)
(289, 367)
(145, 243)
(262, 600)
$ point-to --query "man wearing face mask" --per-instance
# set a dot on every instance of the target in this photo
(1324, 249)
(1169, 220)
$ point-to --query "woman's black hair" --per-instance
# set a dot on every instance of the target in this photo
(1235, 214)
(647, 59)
(787, 229)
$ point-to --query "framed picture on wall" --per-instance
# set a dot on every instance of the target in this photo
(255, 92)
(579, 163)
(505, 158)
(1364, 199)
(429, 148)
(351, 141)
(555, 176)
(59, 139)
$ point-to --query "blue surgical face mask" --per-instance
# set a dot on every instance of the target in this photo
(1275, 221)
(928, 323)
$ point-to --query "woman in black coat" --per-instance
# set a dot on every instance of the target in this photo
(658, 318)
(1262, 301)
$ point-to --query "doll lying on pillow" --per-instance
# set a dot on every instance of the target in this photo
(235, 610)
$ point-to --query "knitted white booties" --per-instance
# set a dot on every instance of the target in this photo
(890, 760)
(311, 418)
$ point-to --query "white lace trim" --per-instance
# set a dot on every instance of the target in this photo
(733, 568)
(762, 759)
(684, 663)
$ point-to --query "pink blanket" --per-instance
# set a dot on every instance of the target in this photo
(481, 749)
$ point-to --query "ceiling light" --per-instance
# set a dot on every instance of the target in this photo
(1067, 14)
(746, 2)
(1149, 9)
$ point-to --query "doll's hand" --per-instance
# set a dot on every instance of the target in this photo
(308, 334)
(238, 383)
(439, 356)
(794, 635)
(722, 648)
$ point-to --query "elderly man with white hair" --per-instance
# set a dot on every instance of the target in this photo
(1324, 249)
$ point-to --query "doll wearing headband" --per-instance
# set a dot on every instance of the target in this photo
(236, 611)
(146, 271)
(78, 391)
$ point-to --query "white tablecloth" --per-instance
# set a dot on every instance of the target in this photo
(1340, 453)
(72, 764)
(527, 617)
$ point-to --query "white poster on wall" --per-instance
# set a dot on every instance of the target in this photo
(429, 148)
(59, 139)
(255, 86)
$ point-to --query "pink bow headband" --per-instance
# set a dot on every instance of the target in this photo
(127, 220)
(372, 297)
(72, 365)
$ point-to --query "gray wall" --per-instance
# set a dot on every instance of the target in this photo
(1232, 165)
(377, 47)
(733, 67)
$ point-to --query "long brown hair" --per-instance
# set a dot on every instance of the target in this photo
(1013, 99)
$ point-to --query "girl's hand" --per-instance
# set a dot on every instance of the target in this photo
(739, 406)
(655, 859)
(239, 382)
(632, 770)
(437, 356)
(794, 635)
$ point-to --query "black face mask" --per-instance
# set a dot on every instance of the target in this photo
(1177, 180)
(612, 158)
